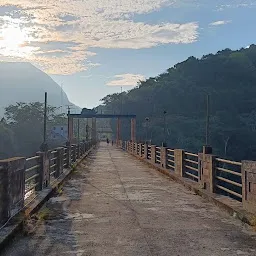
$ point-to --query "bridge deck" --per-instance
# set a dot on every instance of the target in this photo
(116, 205)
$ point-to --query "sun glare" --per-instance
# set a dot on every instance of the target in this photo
(13, 41)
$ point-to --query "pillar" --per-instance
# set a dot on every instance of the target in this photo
(43, 179)
(249, 185)
(179, 162)
(206, 171)
(133, 129)
(140, 149)
(59, 162)
(163, 155)
(12, 187)
(153, 154)
(69, 156)
(94, 131)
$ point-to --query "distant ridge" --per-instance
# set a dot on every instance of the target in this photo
(23, 82)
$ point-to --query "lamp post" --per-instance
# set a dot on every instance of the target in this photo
(147, 121)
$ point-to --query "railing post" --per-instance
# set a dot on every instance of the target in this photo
(163, 155)
(179, 162)
(153, 154)
(43, 179)
(207, 170)
(140, 149)
(78, 151)
(12, 187)
(68, 147)
(74, 152)
(83, 147)
(249, 185)
(60, 162)
(145, 156)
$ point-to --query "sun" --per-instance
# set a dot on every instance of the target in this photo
(13, 41)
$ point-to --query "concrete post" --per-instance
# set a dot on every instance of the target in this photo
(73, 150)
(163, 157)
(12, 187)
(60, 162)
(145, 156)
(249, 186)
(68, 147)
(43, 179)
(179, 162)
(140, 149)
(153, 154)
(135, 149)
(78, 150)
(206, 171)
(94, 130)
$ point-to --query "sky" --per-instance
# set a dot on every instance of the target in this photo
(97, 47)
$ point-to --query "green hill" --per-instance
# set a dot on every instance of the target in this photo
(229, 77)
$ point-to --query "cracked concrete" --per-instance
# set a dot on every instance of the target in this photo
(116, 205)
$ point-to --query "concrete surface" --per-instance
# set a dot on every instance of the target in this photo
(116, 205)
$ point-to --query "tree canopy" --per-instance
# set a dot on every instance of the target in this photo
(21, 131)
(229, 77)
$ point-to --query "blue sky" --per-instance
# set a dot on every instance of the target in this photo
(94, 47)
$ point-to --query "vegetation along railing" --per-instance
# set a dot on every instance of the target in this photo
(22, 179)
(236, 180)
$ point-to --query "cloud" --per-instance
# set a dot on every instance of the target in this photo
(126, 80)
(75, 26)
(220, 22)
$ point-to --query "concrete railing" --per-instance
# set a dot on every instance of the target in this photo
(21, 177)
(236, 180)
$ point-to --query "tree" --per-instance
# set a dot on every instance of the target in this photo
(229, 77)
(25, 120)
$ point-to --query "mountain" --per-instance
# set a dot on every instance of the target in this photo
(229, 77)
(22, 82)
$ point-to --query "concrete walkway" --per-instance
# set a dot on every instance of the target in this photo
(116, 205)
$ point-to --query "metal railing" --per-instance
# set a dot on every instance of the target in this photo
(170, 163)
(227, 174)
(228, 178)
(149, 152)
(191, 165)
(31, 174)
(158, 155)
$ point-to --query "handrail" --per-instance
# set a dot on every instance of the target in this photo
(32, 158)
(229, 181)
(190, 154)
(32, 168)
(228, 161)
(229, 171)
(229, 191)
(191, 161)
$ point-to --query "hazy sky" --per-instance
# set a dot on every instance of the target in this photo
(93, 47)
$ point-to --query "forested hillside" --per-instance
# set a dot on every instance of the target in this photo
(229, 77)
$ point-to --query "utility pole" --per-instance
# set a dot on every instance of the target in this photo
(147, 121)
(78, 130)
(121, 100)
(165, 139)
(44, 146)
(207, 119)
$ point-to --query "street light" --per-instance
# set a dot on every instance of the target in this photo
(147, 121)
